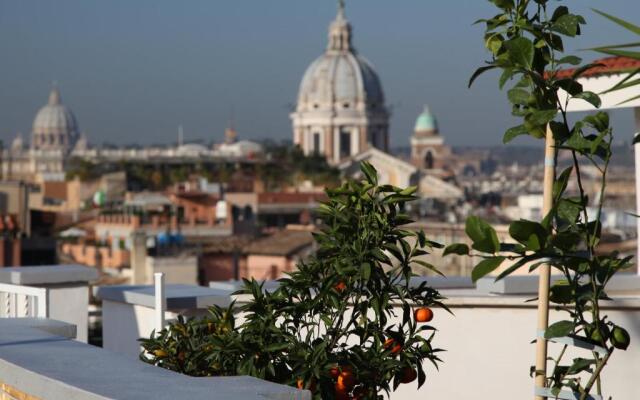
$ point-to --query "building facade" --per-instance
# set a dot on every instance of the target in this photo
(428, 150)
(341, 108)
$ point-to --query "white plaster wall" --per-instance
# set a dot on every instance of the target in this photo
(489, 352)
(71, 304)
(123, 324)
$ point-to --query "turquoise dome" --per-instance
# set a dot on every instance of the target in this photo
(426, 121)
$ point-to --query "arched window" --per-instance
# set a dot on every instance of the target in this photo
(428, 160)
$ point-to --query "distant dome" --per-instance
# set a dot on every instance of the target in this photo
(426, 122)
(341, 108)
(54, 127)
(18, 143)
(340, 78)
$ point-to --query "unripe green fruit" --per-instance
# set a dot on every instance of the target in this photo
(600, 335)
(620, 338)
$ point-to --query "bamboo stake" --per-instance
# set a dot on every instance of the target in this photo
(545, 269)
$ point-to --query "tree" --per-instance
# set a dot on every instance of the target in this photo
(327, 327)
(525, 40)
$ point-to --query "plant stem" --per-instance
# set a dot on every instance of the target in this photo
(595, 375)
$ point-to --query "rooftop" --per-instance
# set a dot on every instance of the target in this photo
(609, 66)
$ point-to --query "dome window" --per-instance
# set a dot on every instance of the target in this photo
(346, 105)
(315, 105)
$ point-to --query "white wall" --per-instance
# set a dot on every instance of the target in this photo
(70, 303)
(123, 324)
(488, 355)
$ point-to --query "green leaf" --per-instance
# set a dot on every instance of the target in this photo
(520, 51)
(369, 172)
(572, 60)
(485, 267)
(559, 329)
(542, 117)
(561, 292)
(366, 271)
(518, 96)
(560, 184)
(484, 237)
(479, 72)
(571, 86)
(504, 77)
(560, 131)
(514, 132)
(460, 249)
(579, 365)
(529, 233)
(567, 24)
(590, 97)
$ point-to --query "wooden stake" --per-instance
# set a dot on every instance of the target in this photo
(545, 269)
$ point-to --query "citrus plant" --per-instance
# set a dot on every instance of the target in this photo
(525, 40)
(348, 324)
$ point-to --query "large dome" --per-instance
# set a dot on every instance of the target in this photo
(54, 127)
(340, 79)
(341, 108)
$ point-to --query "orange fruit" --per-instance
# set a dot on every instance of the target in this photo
(394, 346)
(408, 375)
(301, 385)
(423, 314)
(346, 379)
(340, 286)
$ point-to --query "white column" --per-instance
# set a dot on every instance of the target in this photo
(636, 148)
(160, 302)
(336, 144)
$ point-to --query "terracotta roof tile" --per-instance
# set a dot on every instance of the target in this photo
(282, 243)
(610, 65)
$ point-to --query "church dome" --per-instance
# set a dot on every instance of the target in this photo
(54, 127)
(340, 78)
(426, 122)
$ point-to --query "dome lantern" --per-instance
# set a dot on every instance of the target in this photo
(340, 32)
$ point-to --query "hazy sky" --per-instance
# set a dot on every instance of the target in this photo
(133, 70)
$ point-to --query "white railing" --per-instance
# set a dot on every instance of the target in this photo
(160, 301)
(17, 301)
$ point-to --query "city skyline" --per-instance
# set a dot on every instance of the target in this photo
(192, 67)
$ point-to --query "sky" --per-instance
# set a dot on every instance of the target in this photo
(133, 71)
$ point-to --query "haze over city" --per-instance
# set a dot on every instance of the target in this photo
(134, 71)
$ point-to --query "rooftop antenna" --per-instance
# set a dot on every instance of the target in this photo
(180, 136)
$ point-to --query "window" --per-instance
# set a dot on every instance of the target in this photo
(428, 160)
(316, 143)
(345, 143)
